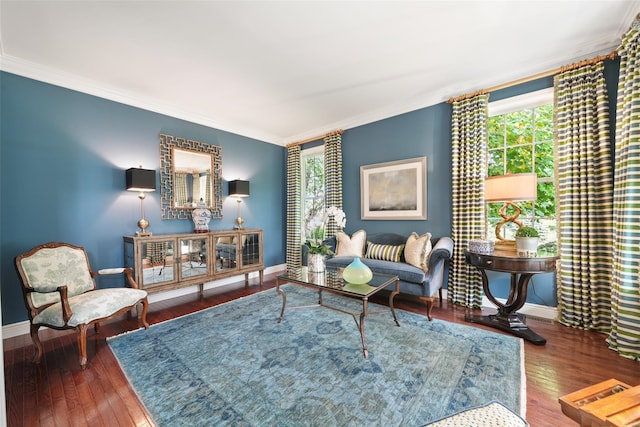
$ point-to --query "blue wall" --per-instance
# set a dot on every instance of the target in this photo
(62, 162)
(63, 155)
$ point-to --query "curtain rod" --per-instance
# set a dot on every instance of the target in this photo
(315, 138)
(558, 70)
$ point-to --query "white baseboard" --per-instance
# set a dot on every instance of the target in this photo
(22, 328)
(533, 310)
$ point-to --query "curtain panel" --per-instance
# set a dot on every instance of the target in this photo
(469, 157)
(625, 293)
(294, 189)
(584, 198)
(332, 178)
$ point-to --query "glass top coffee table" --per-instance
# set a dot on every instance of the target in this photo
(331, 281)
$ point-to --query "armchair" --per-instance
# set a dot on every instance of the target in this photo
(60, 292)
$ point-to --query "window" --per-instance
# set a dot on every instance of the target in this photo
(521, 140)
(312, 164)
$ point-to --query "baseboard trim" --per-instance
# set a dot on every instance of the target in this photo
(530, 310)
(22, 328)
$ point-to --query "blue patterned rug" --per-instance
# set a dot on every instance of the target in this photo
(234, 365)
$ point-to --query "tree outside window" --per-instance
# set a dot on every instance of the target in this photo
(312, 163)
(522, 141)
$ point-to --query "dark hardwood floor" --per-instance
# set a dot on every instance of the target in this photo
(59, 393)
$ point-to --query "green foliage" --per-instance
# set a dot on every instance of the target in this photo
(522, 141)
(316, 247)
(525, 231)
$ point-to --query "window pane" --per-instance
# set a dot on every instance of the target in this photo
(544, 160)
(496, 163)
(546, 201)
(544, 123)
(312, 194)
(519, 159)
(496, 132)
(519, 127)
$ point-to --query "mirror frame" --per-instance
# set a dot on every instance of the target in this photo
(167, 144)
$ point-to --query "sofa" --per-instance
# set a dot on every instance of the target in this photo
(423, 280)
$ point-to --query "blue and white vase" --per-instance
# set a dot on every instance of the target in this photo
(201, 217)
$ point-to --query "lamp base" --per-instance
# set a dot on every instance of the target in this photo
(144, 233)
(505, 246)
(239, 222)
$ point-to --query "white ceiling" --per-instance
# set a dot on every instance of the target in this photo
(283, 71)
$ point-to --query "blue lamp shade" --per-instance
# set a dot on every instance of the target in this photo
(238, 188)
(141, 179)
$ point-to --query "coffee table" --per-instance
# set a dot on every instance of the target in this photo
(331, 281)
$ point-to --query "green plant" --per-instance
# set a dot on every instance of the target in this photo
(318, 248)
(527, 232)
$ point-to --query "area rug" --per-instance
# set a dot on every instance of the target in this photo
(234, 365)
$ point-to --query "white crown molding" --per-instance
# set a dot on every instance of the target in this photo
(55, 77)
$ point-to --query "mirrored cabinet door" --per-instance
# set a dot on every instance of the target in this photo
(226, 252)
(193, 257)
(157, 262)
(251, 249)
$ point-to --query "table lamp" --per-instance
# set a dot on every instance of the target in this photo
(239, 189)
(509, 188)
(141, 180)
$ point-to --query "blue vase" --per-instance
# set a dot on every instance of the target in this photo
(357, 272)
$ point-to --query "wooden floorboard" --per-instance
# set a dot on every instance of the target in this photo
(58, 393)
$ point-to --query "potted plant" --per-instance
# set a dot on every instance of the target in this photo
(317, 251)
(527, 239)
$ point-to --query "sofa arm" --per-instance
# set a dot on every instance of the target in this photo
(442, 251)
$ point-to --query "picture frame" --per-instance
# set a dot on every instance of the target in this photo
(394, 190)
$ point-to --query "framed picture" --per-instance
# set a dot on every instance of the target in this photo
(394, 190)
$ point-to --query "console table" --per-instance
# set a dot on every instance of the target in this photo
(169, 261)
(521, 269)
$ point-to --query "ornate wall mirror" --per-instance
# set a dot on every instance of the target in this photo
(189, 170)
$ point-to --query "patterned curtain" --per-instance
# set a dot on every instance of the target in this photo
(294, 188)
(469, 157)
(625, 292)
(584, 198)
(180, 192)
(332, 177)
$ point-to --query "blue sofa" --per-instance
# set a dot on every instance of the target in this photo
(413, 280)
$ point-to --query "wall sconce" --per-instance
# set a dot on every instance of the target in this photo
(141, 180)
(239, 189)
(507, 188)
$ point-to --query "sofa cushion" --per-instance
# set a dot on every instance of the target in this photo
(351, 246)
(417, 249)
(405, 272)
(384, 252)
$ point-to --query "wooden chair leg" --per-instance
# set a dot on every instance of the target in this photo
(142, 318)
(37, 358)
(429, 301)
(82, 345)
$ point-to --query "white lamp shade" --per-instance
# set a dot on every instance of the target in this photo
(511, 187)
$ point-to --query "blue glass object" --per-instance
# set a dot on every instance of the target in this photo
(357, 272)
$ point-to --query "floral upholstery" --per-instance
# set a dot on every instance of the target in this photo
(52, 267)
(91, 306)
(60, 292)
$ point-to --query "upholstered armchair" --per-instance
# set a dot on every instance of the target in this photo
(60, 293)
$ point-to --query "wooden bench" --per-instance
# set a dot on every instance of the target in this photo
(610, 403)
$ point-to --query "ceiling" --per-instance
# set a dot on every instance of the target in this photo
(284, 71)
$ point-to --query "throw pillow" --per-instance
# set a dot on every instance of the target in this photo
(384, 252)
(351, 246)
(417, 250)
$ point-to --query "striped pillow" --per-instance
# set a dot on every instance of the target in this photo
(384, 252)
